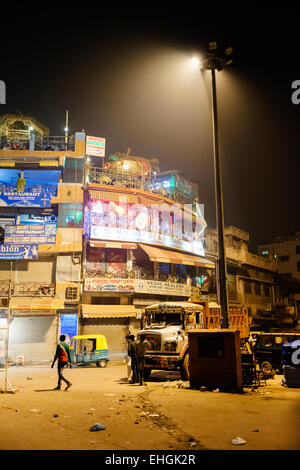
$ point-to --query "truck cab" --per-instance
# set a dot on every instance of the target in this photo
(165, 326)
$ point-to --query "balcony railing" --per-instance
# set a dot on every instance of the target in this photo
(54, 143)
(26, 289)
(137, 273)
(125, 180)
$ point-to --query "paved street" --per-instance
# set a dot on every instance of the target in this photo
(157, 416)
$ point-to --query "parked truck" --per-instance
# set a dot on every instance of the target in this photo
(165, 326)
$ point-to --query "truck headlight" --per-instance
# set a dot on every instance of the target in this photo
(170, 346)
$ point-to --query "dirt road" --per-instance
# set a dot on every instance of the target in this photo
(157, 416)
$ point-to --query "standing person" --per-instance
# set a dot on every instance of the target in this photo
(128, 359)
(63, 356)
(132, 355)
(141, 347)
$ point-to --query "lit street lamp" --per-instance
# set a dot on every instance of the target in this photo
(213, 62)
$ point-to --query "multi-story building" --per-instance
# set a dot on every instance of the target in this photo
(253, 281)
(86, 246)
(143, 244)
(287, 252)
(41, 215)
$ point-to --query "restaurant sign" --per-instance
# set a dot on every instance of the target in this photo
(25, 199)
(32, 234)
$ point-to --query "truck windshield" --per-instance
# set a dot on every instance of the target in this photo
(164, 319)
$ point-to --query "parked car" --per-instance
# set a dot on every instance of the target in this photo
(268, 349)
(87, 349)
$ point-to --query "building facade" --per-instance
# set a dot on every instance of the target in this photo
(287, 252)
(253, 281)
(41, 217)
(86, 245)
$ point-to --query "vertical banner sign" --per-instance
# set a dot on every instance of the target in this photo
(95, 146)
(68, 326)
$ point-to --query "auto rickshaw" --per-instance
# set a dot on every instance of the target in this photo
(87, 349)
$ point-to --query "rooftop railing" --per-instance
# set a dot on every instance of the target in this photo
(54, 143)
(96, 175)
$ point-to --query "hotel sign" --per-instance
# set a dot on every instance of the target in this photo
(95, 146)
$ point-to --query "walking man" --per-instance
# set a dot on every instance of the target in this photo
(63, 356)
(141, 347)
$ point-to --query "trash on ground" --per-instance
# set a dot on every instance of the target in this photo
(176, 384)
(109, 394)
(97, 427)
(217, 390)
(35, 411)
(238, 441)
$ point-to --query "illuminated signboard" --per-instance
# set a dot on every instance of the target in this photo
(158, 224)
(95, 146)
(148, 286)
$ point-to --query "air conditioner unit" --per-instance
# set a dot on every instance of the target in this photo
(71, 293)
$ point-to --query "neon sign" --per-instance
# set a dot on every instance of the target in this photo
(159, 224)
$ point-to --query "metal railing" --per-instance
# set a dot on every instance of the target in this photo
(96, 175)
(54, 143)
(26, 289)
(138, 273)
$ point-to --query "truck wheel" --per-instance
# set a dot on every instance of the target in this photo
(267, 368)
(184, 370)
(147, 373)
(101, 363)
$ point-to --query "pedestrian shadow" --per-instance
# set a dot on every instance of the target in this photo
(46, 390)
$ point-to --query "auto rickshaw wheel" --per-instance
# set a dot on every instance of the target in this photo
(267, 368)
(101, 363)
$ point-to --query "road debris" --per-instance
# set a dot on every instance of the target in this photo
(97, 427)
(176, 384)
(238, 441)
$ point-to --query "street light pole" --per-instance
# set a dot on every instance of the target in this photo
(222, 270)
(215, 62)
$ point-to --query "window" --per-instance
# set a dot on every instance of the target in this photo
(267, 291)
(298, 266)
(248, 287)
(297, 249)
(284, 258)
(70, 215)
(264, 341)
(257, 288)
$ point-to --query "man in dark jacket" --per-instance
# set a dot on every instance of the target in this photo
(62, 354)
(141, 347)
(132, 354)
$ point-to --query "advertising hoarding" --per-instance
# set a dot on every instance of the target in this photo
(9, 251)
(25, 199)
(145, 286)
(31, 234)
(95, 146)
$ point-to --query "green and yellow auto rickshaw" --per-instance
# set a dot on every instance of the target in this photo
(87, 349)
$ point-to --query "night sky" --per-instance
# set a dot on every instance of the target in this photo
(127, 76)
